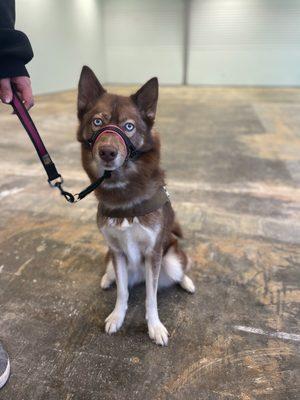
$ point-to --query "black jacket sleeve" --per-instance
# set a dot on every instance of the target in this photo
(15, 48)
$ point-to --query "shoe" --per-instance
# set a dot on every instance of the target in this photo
(4, 367)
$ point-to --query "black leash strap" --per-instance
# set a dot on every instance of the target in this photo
(44, 156)
(74, 198)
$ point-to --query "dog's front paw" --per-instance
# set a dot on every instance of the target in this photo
(114, 321)
(158, 333)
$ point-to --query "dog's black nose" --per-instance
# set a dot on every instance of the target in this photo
(108, 153)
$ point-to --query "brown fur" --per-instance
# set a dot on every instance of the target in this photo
(132, 181)
(144, 179)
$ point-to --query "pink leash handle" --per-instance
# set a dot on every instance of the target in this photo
(34, 135)
(44, 156)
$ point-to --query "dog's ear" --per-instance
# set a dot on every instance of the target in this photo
(146, 99)
(89, 91)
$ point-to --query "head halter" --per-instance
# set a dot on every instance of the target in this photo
(132, 152)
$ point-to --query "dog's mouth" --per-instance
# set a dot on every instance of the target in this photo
(110, 166)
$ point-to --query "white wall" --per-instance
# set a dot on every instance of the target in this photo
(143, 38)
(244, 42)
(65, 34)
(123, 41)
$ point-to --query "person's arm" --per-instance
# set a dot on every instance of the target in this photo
(15, 52)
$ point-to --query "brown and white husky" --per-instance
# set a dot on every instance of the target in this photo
(141, 247)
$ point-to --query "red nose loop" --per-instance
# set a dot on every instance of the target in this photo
(111, 130)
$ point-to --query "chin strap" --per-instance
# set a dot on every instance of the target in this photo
(54, 178)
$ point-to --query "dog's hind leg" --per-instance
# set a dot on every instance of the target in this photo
(109, 277)
(187, 284)
(175, 264)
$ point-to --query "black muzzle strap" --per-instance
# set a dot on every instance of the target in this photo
(54, 178)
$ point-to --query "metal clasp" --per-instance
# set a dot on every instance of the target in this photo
(67, 195)
(76, 198)
(166, 191)
(55, 182)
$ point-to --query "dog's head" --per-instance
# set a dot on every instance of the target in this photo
(134, 115)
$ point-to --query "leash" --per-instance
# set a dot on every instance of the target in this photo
(44, 156)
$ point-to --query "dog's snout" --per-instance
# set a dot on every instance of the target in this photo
(108, 153)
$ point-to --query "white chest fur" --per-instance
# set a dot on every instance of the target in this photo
(133, 239)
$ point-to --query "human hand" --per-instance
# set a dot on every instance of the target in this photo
(24, 90)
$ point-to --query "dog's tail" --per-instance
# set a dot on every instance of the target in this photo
(176, 230)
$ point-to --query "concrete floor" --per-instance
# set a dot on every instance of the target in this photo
(233, 163)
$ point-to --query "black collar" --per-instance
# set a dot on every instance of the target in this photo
(160, 198)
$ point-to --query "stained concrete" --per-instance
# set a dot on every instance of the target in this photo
(233, 163)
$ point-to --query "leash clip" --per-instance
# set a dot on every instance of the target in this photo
(76, 198)
(58, 181)
(67, 195)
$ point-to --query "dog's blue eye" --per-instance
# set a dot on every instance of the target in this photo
(129, 126)
(98, 122)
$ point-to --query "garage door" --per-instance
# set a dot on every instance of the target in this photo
(244, 42)
(143, 39)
